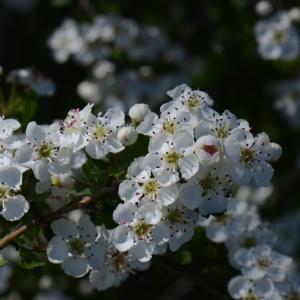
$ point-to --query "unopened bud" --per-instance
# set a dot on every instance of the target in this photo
(127, 135)
(276, 151)
(138, 112)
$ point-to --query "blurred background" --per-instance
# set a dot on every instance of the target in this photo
(59, 54)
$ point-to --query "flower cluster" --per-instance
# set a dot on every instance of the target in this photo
(196, 157)
(277, 37)
(104, 42)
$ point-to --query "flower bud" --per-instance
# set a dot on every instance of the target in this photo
(127, 135)
(276, 151)
(263, 8)
(138, 112)
(294, 14)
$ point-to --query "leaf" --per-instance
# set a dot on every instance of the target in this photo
(3, 261)
(30, 259)
(185, 257)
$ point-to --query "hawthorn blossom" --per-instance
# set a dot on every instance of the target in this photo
(171, 158)
(248, 157)
(277, 38)
(13, 205)
(117, 267)
(142, 187)
(140, 230)
(102, 134)
(262, 261)
(76, 246)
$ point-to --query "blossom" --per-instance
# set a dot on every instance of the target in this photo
(140, 230)
(172, 158)
(127, 135)
(262, 261)
(117, 267)
(102, 134)
(208, 190)
(241, 287)
(142, 187)
(13, 205)
(249, 157)
(76, 246)
(277, 38)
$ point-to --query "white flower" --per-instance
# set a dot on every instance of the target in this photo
(102, 134)
(74, 128)
(208, 190)
(263, 7)
(169, 123)
(8, 126)
(220, 126)
(277, 38)
(118, 265)
(261, 261)
(75, 246)
(42, 153)
(248, 157)
(127, 135)
(142, 187)
(138, 112)
(181, 223)
(13, 206)
(237, 219)
(194, 101)
(241, 287)
(140, 230)
(66, 41)
(171, 158)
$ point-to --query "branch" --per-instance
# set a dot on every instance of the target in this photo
(9, 238)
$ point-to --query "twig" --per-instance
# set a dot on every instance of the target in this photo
(9, 238)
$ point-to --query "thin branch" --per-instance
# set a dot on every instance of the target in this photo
(9, 238)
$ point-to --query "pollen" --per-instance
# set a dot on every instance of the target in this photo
(45, 151)
(172, 158)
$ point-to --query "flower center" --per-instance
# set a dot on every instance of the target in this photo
(210, 149)
(55, 181)
(141, 229)
(169, 126)
(251, 296)
(249, 243)
(45, 151)
(247, 155)
(193, 103)
(264, 263)
(151, 187)
(119, 261)
(175, 216)
(279, 36)
(100, 133)
(208, 182)
(77, 246)
(172, 158)
(222, 219)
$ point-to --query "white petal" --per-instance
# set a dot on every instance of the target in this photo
(115, 116)
(75, 266)
(189, 195)
(41, 170)
(167, 195)
(57, 250)
(124, 213)
(64, 228)
(113, 145)
(189, 166)
(102, 279)
(240, 173)
(95, 255)
(14, 208)
(141, 251)
(96, 150)
(129, 190)
(123, 238)
(86, 229)
(35, 133)
(10, 176)
(150, 213)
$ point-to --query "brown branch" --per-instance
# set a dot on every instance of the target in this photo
(9, 238)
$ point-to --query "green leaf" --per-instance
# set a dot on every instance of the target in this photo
(30, 259)
(3, 261)
(185, 257)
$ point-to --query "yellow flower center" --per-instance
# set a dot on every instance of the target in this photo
(142, 229)
(45, 150)
(172, 158)
(175, 216)
(151, 187)
(77, 246)
(280, 36)
(193, 103)
(247, 155)
(100, 133)
(169, 126)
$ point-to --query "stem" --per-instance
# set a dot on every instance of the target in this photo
(9, 238)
